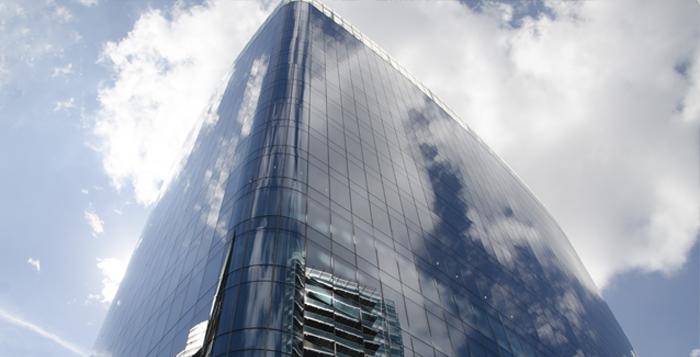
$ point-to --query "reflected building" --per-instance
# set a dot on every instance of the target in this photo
(331, 205)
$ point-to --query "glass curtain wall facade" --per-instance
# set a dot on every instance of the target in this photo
(332, 206)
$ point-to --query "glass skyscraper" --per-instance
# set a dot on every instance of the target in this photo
(333, 206)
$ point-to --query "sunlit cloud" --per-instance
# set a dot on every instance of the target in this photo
(36, 263)
(162, 89)
(695, 352)
(95, 222)
(112, 270)
(19, 322)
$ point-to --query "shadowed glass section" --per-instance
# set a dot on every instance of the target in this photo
(361, 219)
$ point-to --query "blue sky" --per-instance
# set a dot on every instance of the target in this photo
(596, 110)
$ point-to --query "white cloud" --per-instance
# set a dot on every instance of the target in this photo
(62, 13)
(33, 33)
(64, 104)
(4, 72)
(19, 322)
(162, 88)
(112, 270)
(251, 94)
(695, 352)
(62, 71)
(36, 263)
(594, 113)
(87, 3)
(95, 222)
